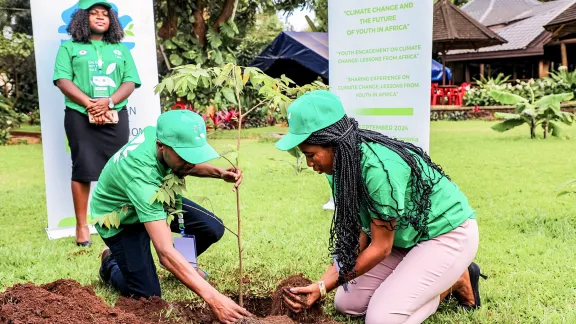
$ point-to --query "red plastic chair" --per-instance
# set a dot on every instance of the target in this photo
(435, 94)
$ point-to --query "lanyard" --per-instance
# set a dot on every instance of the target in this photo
(181, 223)
(100, 60)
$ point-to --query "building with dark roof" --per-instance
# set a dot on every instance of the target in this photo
(531, 50)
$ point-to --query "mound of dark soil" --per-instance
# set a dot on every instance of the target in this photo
(66, 301)
(63, 301)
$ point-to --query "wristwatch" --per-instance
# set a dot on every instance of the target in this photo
(110, 103)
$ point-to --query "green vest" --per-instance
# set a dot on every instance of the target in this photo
(79, 63)
(449, 206)
(130, 178)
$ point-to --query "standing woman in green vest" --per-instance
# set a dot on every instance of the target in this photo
(96, 74)
(403, 234)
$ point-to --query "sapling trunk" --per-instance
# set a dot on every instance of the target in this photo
(240, 269)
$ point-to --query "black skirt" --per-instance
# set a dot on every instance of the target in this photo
(91, 146)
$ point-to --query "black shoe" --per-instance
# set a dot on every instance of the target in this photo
(104, 257)
(106, 253)
(84, 244)
(475, 275)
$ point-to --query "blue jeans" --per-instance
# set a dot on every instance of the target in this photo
(130, 268)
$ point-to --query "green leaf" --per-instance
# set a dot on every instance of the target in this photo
(154, 198)
(169, 219)
(506, 98)
(257, 79)
(554, 101)
(506, 115)
(114, 219)
(170, 182)
(217, 58)
(129, 33)
(246, 78)
(190, 54)
(214, 39)
(566, 117)
(226, 30)
(161, 197)
(130, 26)
(507, 125)
(229, 95)
(555, 129)
(169, 84)
(171, 194)
(160, 87)
(181, 85)
(238, 77)
(176, 59)
(233, 25)
(107, 220)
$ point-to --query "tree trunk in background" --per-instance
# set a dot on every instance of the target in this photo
(170, 26)
(199, 22)
(226, 13)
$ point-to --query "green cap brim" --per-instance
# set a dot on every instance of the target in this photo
(105, 4)
(197, 155)
(290, 141)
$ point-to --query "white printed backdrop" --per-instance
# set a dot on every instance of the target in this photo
(50, 19)
(380, 63)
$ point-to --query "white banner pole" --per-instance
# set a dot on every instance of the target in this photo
(49, 19)
(380, 63)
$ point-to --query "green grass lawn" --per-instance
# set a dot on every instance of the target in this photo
(527, 235)
(28, 128)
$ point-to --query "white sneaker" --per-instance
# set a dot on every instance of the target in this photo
(329, 205)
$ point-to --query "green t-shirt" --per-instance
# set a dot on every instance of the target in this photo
(449, 206)
(78, 62)
(130, 178)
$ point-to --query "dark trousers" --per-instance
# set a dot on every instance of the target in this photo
(130, 268)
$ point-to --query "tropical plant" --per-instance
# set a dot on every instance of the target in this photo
(491, 82)
(9, 119)
(480, 96)
(18, 71)
(545, 112)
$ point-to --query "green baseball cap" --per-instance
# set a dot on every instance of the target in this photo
(185, 132)
(311, 112)
(87, 4)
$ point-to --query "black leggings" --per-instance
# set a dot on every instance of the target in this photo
(131, 268)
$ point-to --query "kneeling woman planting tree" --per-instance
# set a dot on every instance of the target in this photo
(403, 235)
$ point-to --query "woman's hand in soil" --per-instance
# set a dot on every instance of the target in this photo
(232, 175)
(301, 298)
(227, 310)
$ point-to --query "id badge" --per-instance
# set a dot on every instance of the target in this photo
(186, 245)
(99, 87)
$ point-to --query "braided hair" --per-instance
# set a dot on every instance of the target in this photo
(79, 27)
(351, 193)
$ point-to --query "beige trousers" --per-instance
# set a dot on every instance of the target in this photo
(406, 286)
